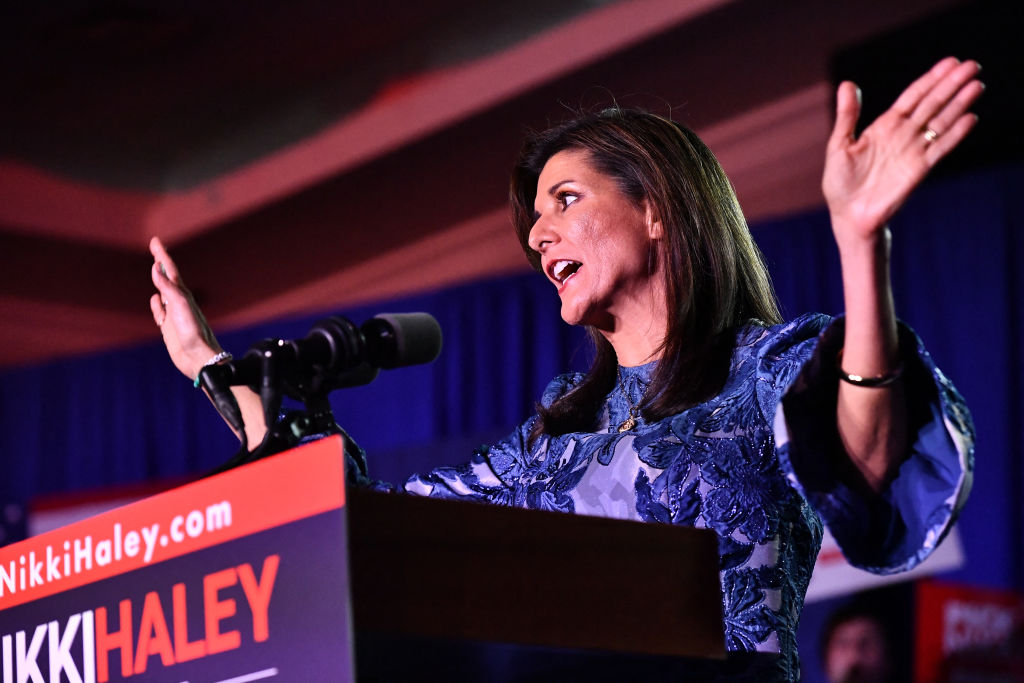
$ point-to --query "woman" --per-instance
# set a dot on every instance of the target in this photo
(702, 408)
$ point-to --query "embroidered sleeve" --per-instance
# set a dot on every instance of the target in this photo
(898, 529)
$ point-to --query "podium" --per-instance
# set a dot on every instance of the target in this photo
(259, 574)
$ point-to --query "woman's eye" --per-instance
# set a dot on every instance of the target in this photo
(567, 198)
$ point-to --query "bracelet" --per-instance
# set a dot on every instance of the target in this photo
(217, 358)
(861, 381)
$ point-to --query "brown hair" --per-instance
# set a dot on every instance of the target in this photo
(716, 280)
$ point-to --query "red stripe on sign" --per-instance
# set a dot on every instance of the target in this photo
(284, 488)
(830, 556)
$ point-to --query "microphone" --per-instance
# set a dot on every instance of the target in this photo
(215, 380)
(333, 355)
(388, 340)
(338, 354)
(402, 339)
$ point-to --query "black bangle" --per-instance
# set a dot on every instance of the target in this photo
(872, 382)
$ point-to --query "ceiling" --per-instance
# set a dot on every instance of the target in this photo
(305, 155)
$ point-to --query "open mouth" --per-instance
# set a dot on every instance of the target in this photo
(564, 269)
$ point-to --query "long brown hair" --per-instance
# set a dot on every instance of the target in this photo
(716, 280)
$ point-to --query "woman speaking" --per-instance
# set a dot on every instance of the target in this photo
(702, 408)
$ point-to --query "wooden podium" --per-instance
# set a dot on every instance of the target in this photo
(462, 570)
(256, 574)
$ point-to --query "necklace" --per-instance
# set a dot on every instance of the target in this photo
(634, 408)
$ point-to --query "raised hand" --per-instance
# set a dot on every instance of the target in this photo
(189, 339)
(868, 178)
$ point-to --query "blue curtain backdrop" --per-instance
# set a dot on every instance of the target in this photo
(127, 416)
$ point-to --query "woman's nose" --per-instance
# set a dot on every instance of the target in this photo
(542, 235)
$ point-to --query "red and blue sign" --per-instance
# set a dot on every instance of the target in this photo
(239, 577)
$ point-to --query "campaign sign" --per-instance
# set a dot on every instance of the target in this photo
(239, 577)
(968, 633)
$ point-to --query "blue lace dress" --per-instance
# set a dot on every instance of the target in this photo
(759, 464)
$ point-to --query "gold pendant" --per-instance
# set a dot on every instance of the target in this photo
(628, 424)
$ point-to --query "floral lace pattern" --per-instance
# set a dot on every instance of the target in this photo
(737, 465)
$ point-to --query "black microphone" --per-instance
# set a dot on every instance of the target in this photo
(333, 355)
(338, 354)
(216, 379)
(334, 346)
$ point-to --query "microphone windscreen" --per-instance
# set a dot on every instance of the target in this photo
(409, 338)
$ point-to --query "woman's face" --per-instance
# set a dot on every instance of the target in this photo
(595, 244)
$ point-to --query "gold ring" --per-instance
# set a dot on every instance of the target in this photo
(929, 134)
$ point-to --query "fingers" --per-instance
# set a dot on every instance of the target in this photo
(949, 97)
(157, 307)
(847, 113)
(910, 98)
(166, 279)
(162, 282)
(164, 260)
(944, 119)
(933, 103)
(167, 291)
(934, 107)
(945, 142)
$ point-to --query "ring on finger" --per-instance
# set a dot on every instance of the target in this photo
(930, 134)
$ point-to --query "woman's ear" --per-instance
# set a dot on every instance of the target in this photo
(655, 231)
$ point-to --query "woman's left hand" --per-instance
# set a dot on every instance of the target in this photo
(868, 178)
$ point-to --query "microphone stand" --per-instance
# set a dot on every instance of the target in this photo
(274, 363)
(335, 354)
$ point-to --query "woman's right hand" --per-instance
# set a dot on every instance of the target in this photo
(188, 337)
(189, 340)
